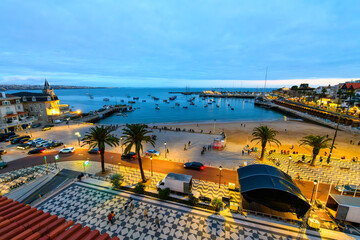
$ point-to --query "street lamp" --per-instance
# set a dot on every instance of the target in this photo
(121, 144)
(220, 168)
(288, 165)
(78, 136)
(151, 165)
(165, 148)
(315, 183)
(29, 127)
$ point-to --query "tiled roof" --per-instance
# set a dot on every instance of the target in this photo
(19, 221)
(40, 97)
(353, 85)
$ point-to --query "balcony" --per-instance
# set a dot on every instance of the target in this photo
(14, 123)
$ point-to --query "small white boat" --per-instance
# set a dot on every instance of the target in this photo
(157, 108)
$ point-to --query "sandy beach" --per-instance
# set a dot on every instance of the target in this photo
(238, 136)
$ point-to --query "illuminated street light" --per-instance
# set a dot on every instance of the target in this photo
(315, 183)
(151, 165)
(78, 136)
(288, 165)
(121, 144)
(165, 148)
(220, 168)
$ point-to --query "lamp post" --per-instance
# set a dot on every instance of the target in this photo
(315, 183)
(121, 144)
(151, 165)
(78, 136)
(288, 165)
(220, 168)
(29, 127)
(165, 149)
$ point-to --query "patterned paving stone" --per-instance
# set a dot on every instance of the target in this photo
(90, 207)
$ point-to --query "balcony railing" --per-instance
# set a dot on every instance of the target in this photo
(26, 120)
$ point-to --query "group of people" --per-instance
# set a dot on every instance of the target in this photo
(209, 147)
(130, 204)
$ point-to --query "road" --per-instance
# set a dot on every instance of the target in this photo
(161, 166)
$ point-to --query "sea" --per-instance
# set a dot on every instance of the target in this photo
(145, 107)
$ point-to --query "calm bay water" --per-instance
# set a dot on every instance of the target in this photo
(244, 109)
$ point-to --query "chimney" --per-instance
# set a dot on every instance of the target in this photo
(3, 94)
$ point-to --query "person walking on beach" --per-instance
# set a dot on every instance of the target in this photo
(184, 147)
(189, 144)
(157, 222)
(146, 214)
(125, 208)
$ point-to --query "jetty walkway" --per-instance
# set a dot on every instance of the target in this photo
(102, 113)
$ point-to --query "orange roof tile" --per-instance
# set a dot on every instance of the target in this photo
(18, 222)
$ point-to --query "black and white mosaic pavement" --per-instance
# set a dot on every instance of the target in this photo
(90, 206)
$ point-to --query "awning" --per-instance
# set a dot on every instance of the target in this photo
(271, 187)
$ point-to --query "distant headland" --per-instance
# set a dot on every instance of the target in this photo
(5, 87)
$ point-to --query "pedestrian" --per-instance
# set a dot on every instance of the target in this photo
(281, 152)
(350, 141)
(285, 130)
(327, 135)
(303, 158)
(358, 143)
(111, 217)
(243, 152)
(184, 147)
(321, 159)
(145, 213)
(125, 208)
(157, 221)
(325, 154)
(298, 176)
(167, 150)
(189, 144)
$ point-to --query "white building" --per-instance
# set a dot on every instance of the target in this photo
(12, 114)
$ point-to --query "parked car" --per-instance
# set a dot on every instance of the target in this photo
(130, 155)
(347, 189)
(24, 140)
(36, 125)
(94, 151)
(58, 121)
(4, 136)
(67, 150)
(194, 165)
(17, 140)
(37, 150)
(55, 144)
(11, 138)
(3, 164)
(23, 146)
(152, 153)
(3, 151)
(46, 128)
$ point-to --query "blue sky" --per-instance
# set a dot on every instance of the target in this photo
(178, 43)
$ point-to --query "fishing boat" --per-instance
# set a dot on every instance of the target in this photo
(135, 98)
(106, 99)
(131, 102)
(122, 100)
(156, 99)
(172, 98)
(165, 100)
(232, 108)
(192, 103)
(185, 107)
(217, 105)
(157, 108)
(149, 95)
(91, 97)
(206, 105)
(177, 104)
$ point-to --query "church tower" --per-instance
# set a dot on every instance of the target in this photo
(47, 89)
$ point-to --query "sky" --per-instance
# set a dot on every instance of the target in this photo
(172, 43)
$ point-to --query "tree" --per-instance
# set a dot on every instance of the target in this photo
(317, 143)
(264, 135)
(116, 180)
(100, 136)
(217, 203)
(135, 135)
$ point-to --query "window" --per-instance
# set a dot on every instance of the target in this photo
(6, 103)
(17, 101)
(49, 98)
(34, 99)
(18, 107)
(8, 111)
(24, 99)
(31, 109)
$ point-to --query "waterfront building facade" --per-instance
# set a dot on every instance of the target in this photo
(45, 106)
(13, 117)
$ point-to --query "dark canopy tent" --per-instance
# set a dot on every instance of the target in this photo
(271, 187)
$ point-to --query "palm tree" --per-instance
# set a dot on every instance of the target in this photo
(265, 135)
(100, 136)
(317, 143)
(135, 135)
